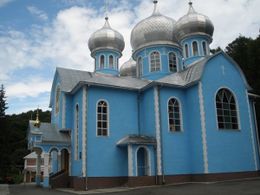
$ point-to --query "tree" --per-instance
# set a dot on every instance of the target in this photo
(3, 103)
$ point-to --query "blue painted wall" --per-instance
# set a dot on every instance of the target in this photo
(228, 150)
(104, 157)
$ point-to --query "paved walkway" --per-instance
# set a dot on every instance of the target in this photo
(242, 187)
(4, 189)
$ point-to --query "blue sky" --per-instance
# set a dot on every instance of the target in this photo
(36, 36)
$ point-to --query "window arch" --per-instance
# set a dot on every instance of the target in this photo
(139, 67)
(195, 49)
(102, 118)
(155, 61)
(57, 99)
(102, 61)
(186, 50)
(76, 132)
(174, 115)
(226, 110)
(204, 48)
(111, 61)
(172, 62)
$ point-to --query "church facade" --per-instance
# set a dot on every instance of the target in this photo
(172, 113)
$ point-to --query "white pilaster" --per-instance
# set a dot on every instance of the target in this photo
(203, 129)
(130, 160)
(59, 160)
(251, 131)
(38, 169)
(64, 111)
(46, 164)
(158, 131)
(84, 129)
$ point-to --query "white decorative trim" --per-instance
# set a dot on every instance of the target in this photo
(46, 165)
(251, 130)
(256, 129)
(203, 129)
(84, 129)
(157, 130)
(130, 160)
(64, 111)
(108, 123)
(150, 65)
(181, 120)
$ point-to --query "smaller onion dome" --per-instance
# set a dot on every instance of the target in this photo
(106, 38)
(156, 29)
(128, 68)
(193, 23)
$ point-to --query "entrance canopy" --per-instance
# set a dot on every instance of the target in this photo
(137, 140)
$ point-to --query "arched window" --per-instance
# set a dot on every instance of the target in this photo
(102, 118)
(57, 100)
(195, 49)
(174, 115)
(186, 53)
(111, 61)
(204, 48)
(172, 62)
(155, 61)
(102, 61)
(76, 132)
(139, 67)
(226, 110)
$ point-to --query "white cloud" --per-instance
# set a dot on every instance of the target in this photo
(4, 2)
(31, 87)
(37, 12)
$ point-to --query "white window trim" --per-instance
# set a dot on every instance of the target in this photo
(177, 61)
(181, 118)
(237, 108)
(150, 61)
(108, 116)
(186, 55)
(206, 44)
(148, 158)
(139, 70)
(113, 62)
(197, 48)
(100, 61)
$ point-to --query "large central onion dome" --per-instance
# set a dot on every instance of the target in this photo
(128, 68)
(156, 29)
(106, 38)
(193, 23)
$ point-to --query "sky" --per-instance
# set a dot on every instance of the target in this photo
(36, 36)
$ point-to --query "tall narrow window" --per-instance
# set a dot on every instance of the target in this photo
(172, 62)
(140, 67)
(111, 61)
(57, 100)
(155, 61)
(186, 50)
(76, 132)
(195, 48)
(102, 61)
(174, 115)
(102, 118)
(226, 110)
(204, 48)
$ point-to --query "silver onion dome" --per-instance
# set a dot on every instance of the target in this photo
(106, 38)
(193, 23)
(156, 29)
(128, 68)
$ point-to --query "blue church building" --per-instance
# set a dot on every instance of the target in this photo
(173, 113)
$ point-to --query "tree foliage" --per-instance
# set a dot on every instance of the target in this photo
(3, 102)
